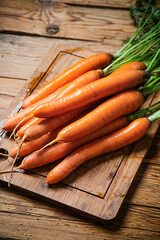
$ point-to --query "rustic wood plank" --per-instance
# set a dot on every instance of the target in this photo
(20, 55)
(101, 3)
(10, 86)
(65, 21)
(143, 219)
(146, 184)
(24, 225)
(153, 155)
(5, 102)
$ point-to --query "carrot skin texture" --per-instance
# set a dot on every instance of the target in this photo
(91, 92)
(90, 76)
(11, 122)
(61, 150)
(121, 138)
(42, 127)
(93, 62)
(115, 107)
(34, 121)
(30, 146)
(14, 120)
(79, 82)
(50, 124)
(131, 66)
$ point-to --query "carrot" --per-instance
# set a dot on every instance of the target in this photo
(64, 148)
(34, 145)
(32, 122)
(121, 138)
(119, 105)
(31, 136)
(81, 81)
(91, 92)
(111, 142)
(93, 62)
(60, 150)
(131, 66)
(48, 125)
(14, 120)
(26, 114)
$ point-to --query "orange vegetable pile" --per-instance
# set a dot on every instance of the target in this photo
(79, 115)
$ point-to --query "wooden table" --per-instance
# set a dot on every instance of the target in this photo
(28, 30)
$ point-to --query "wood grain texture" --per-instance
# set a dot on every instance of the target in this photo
(146, 184)
(39, 219)
(101, 3)
(20, 55)
(61, 20)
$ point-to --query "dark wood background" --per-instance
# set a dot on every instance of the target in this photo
(28, 29)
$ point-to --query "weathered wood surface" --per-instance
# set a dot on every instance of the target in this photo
(25, 218)
(100, 3)
(65, 21)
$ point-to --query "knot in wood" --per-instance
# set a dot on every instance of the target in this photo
(52, 29)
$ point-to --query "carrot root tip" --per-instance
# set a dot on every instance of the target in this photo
(9, 170)
(16, 157)
(49, 144)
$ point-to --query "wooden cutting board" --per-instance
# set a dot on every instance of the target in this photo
(96, 189)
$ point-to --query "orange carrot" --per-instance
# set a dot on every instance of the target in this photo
(131, 66)
(88, 77)
(93, 62)
(31, 146)
(34, 121)
(60, 150)
(119, 105)
(14, 120)
(26, 137)
(121, 138)
(48, 125)
(91, 92)
(79, 82)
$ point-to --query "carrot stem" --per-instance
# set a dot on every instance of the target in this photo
(154, 116)
(152, 82)
(155, 88)
(139, 48)
(152, 63)
(148, 110)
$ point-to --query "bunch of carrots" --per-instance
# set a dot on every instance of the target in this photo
(90, 109)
